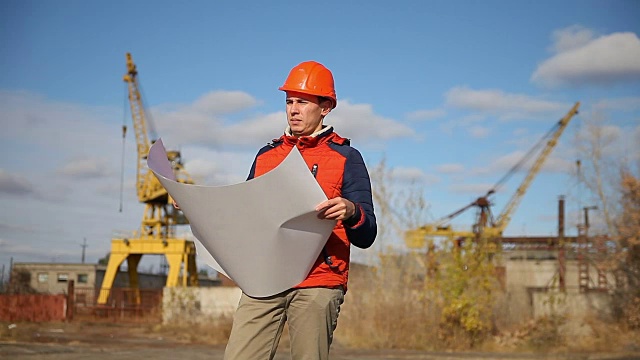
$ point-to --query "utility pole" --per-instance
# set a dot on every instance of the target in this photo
(10, 273)
(84, 246)
(562, 265)
(586, 218)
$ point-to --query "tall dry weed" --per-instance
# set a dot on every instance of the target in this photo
(400, 304)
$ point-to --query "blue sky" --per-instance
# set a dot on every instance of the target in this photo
(450, 93)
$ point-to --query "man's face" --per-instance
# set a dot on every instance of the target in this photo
(305, 113)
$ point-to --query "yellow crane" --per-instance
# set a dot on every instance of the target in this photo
(486, 226)
(157, 232)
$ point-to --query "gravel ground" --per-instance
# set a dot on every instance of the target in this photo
(164, 351)
(109, 341)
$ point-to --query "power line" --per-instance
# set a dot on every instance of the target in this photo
(84, 246)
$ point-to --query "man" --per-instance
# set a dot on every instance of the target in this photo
(311, 308)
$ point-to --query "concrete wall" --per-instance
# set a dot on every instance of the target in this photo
(574, 304)
(526, 297)
(544, 272)
(199, 304)
(532, 291)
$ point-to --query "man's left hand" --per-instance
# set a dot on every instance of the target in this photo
(336, 209)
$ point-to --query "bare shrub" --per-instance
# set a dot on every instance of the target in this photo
(627, 294)
(20, 283)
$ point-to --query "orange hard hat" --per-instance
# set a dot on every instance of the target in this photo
(311, 77)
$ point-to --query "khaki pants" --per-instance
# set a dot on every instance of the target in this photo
(312, 315)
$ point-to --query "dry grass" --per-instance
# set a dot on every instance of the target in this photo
(386, 311)
(213, 333)
(371, 318)
(382, 312)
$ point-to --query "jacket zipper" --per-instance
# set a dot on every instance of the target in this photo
(325, 255)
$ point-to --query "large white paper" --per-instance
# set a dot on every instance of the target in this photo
(264, 233)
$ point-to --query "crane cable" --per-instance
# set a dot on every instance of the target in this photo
(505, 177)
(525, 158)
(124, 133)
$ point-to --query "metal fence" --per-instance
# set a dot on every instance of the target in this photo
(123, 305)
(32, 307)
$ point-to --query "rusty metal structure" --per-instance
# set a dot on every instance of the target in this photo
(586, 250)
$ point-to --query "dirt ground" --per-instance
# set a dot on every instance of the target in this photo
(102, 341)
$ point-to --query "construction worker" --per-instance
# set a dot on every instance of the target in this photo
(310, 308)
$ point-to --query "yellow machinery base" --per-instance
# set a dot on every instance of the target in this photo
(177, 252)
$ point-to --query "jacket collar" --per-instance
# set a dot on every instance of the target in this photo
(318, 137)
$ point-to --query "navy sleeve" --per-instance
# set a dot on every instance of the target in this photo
(356, 186)
(252, 172)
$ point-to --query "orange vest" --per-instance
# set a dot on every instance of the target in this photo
(331, 269)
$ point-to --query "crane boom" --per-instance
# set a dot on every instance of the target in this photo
(139, 121)
(485, 226)
(505, 217)
(156, 234)
(148, 188)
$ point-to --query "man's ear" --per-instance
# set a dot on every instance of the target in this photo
(326, 106)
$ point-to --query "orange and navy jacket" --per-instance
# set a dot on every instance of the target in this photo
(341, 172)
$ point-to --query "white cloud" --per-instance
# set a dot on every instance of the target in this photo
(612, 143)
(506, 163)
(478, 132)
(191, 124)
(450, 168)
(571, 38)
(14, 184)
(558, 164)
(476, 189)
(257, 131)
(501, 165)
(634, 144)
(55, 127)
(87, 168)
(503, 105)
(62, 199)
(520, 132)
(583, 61)
(414, 175)
(426, 114)
(212, 167)
(359, 121)
(620, 104)
(203, 120)
(224, 102)
(33, 252)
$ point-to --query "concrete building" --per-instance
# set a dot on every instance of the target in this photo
(53, 278)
